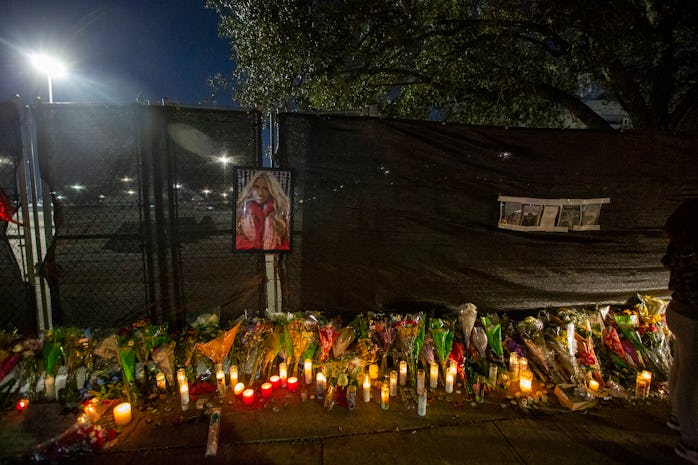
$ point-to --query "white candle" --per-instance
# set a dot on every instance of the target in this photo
(420, 380)
(308, 370)
(233, 375)
(493, 375)
(523, 364)
(525, 381)
(385, 396)
(449, 382)
(160, 382)
(320, 386)
(367, 388)
(393, 383)
(422, 403)
(238, 388)
(220, 380)
(181, 376)
(403, 372)
(283, 374)
(184, 394)
(122, 414)
(433, 375)
(514, 365)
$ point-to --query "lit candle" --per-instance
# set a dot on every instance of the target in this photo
(181, 376)
(373, 371)
(367, 387)
(308, 370)
(292, 384)
(593, 385)
(283, 374)
(122, 414)
(449, 382)
(393, 383)
(433, 375)
(22, 404)
(266, 390)
(275, 382)
(420, 380)
(50, 387)
(320, 385)
(238, 388)
(248, 396)
(184, 394)
(160, 381)
(647, 376)
(233, 375)
(526, 381)
(403, 372)
(220, 382)
(514, 365)
(385, 396)
(453, 367)
(523, 364)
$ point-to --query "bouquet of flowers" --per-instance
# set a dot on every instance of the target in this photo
(254, 342)
(467, 315)
(345, 336)
(410, 338)
(493, 329)
(442, 334)
(540, 360)
(302, 332)
(384, 332)
(655, 335)
(327, 334)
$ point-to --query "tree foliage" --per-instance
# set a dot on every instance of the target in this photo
(501, 62)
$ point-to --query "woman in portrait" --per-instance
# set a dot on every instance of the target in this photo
(262, 214)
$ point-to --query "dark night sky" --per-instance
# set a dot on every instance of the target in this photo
(116, 51)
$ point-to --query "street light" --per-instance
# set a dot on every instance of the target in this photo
(51, 67)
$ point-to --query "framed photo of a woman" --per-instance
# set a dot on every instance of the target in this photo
(262, 216)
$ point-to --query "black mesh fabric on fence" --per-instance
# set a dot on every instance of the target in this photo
(16, 309)
(143, 214)
(400, 215)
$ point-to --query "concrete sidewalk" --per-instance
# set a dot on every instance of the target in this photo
(294, 429)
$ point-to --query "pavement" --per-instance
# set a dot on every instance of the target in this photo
(297, 428)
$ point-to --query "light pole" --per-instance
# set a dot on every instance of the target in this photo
(51, 67)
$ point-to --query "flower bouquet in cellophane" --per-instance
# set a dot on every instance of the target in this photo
(410, 338)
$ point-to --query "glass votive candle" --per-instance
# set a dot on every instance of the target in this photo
(266, 390)
(433, 375)
(248, 396)
(420, 380)
(373, 371)
(238, 389)
(385, 396)
(275, 382)
(403, 372)
(292, 384)
(234, 375)
(160, 381)
(393, 383)
(308, 370)
(526, 381)
(283, 374)
(367, 387)
(122, 414)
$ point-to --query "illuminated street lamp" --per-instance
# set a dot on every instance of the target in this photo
(51, 67)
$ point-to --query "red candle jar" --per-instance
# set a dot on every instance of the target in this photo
(275, 382)
(266, 390)
(248, 396)
(22, 404)
(292, 384)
